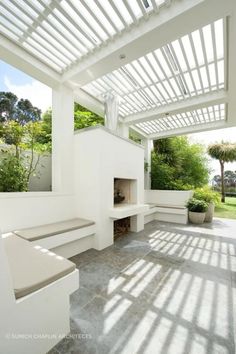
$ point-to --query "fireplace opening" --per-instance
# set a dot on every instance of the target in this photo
(121, 227)
(124, 191)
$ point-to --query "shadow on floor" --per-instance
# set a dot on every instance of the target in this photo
(163, 290)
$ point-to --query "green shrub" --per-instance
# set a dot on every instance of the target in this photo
(197, 206)
(177, 164)
(207, 194)
(13, 175)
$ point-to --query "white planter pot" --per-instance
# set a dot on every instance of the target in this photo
(196, 218)
(210, 212)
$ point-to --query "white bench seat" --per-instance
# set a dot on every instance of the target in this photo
(167, 206)
(66, 238)
(33, 267)
(43, 231)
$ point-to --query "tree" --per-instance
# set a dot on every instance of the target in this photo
(21, 111)
(224, 152)
(32, 131)
(13, 174)
(21, 126)
(45, 135)
(84, 118)
(12, 134)
(177, 164)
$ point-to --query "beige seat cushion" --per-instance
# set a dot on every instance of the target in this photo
(39, 232)
(33, 267)
(171, 206)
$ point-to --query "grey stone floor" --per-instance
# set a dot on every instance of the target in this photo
(169, 289)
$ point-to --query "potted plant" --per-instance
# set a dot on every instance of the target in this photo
(197, 210)
(209, 196)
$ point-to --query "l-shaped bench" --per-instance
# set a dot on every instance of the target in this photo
(167, 206)
(36, 285)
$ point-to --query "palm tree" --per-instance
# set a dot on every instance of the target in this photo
(224, 152)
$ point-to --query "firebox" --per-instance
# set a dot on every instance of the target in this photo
(125, 191)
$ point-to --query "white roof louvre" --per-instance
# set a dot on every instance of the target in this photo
(187, 67)
(62, 32)
(193, 118)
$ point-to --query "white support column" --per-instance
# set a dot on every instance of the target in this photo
(148, 145)
(123, 130)
(62, 139)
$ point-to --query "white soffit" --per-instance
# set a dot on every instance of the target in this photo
(168, 123)
(62, 32)
(189, 66)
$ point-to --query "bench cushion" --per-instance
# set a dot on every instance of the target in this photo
(33, 267)
(170, 206)
(153, 205)
(39, 232)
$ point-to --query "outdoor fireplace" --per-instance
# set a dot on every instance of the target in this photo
(124, 191)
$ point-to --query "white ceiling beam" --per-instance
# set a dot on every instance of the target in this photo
(89, 102)
(190, 130)
(14, 55)
(180, 18)
(187, 105)
(139, 132)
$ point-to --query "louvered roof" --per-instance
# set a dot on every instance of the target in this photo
(187, 67)
(64, 33)
(194, 118)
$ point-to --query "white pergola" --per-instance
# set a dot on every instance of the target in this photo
(170, 63)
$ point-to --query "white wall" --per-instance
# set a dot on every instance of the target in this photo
(167, 197)
(100, 156)
(42, 180)
(27, 209)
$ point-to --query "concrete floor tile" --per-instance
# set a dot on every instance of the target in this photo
(168, 289)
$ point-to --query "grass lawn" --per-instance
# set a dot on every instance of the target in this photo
(227, 209)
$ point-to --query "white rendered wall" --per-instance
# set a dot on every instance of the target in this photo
(167, 197)
(20, 210)
(42, 180)
(100, 156)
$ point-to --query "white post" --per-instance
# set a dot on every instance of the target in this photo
(111, 112)
(148, 145)
(62, 139)
(123, 130)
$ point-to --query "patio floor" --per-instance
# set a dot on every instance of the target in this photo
(168, 289)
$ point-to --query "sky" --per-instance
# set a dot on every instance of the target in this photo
(24, 86)
(40, 96)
